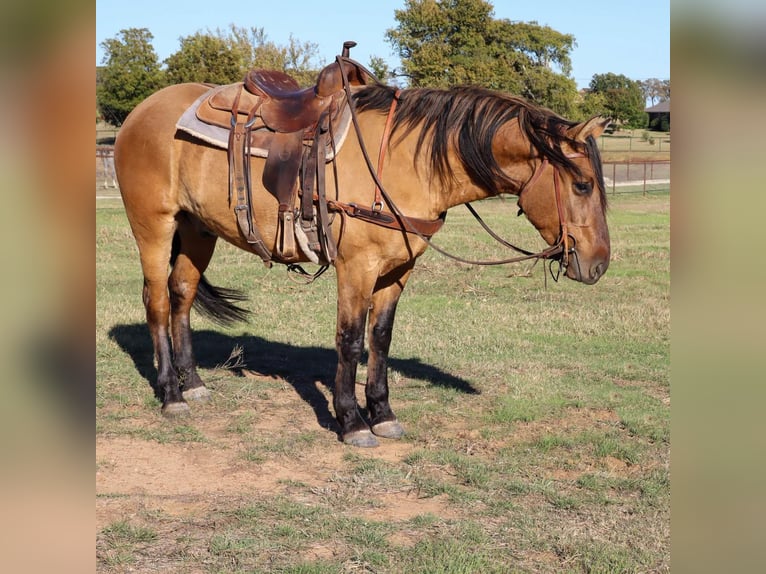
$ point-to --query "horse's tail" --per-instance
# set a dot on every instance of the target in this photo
(215, 303)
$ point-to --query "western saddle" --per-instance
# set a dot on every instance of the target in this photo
(270, 111)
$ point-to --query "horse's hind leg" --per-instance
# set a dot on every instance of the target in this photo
(154, 243)
(192, 250)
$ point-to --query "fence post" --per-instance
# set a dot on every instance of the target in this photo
(644, 179)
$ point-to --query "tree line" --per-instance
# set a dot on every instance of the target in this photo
(440, 44)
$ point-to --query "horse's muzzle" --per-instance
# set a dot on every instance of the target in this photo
(588, 272)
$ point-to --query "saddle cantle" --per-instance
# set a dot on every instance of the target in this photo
(293, 128)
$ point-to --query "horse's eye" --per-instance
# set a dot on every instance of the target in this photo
(583, 188)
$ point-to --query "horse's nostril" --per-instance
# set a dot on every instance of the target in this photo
(597, 271)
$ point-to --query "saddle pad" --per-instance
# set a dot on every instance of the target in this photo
(219, 137)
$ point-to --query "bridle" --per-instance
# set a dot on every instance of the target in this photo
(565, 244)
(559, 252)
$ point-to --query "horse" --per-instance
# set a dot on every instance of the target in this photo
(440, 148)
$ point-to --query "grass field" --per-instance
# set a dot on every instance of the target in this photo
(537, 418)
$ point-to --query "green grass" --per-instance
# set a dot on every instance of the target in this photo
(531, 410)
(118, 543)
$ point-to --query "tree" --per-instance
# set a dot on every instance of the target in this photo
(204, 57)
(592, 104)
(379, 67)
(299, 59)
(445, 43)
(225, 56)
(623, 98)
(655, 90)
(131, 72)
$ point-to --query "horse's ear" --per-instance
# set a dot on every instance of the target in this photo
(593, 127)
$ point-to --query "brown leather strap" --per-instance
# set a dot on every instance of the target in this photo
(309, 168)
(377, 203)
(562, 219)
(320, 143)
(425, 227)
(239, 158)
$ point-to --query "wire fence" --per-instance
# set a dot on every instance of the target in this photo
(637, 176)
(635, 142)
(634, 176)
(106, 178)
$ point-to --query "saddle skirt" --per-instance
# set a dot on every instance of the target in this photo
(209, 119)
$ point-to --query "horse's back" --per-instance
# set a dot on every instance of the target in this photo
(168, 102)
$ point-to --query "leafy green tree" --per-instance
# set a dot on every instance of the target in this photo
(591, 104)
(445, 43)
(204, 57)
(379, 67)
(299, 59)
(625, 101)
(130, 72)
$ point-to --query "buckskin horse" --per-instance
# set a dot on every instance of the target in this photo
(436, 149)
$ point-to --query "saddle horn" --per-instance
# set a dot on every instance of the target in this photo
(347, 45)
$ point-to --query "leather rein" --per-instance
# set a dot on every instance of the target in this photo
(395, 219)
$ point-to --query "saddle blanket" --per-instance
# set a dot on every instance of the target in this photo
(219, 137)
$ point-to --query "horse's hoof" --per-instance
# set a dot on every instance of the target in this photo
(388, 429)
(200, 394)
(176, 410)
(362, 439)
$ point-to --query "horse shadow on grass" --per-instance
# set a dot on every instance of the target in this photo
(301, 367)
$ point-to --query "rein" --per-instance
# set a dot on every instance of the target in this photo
(559, 251)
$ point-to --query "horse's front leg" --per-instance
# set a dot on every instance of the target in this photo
(385, 298)
(354, 291)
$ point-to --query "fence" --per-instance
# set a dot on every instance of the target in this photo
(633, 176)
(105, 175)
(636, 176)
(106, 136)
(629, 142)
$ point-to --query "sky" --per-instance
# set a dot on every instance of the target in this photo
(629, 38)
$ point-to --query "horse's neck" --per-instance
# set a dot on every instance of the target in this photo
(420, 192)
(424, 188)
(461, 192)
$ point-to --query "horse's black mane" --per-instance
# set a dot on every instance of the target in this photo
(474, 115)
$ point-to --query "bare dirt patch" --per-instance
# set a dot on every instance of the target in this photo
(182, 480)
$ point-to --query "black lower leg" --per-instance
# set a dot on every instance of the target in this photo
(167, 377)
(183, 355)
(376, 390)
(156, 303)
(349, 342)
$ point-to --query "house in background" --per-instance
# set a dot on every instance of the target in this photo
(659, 116)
